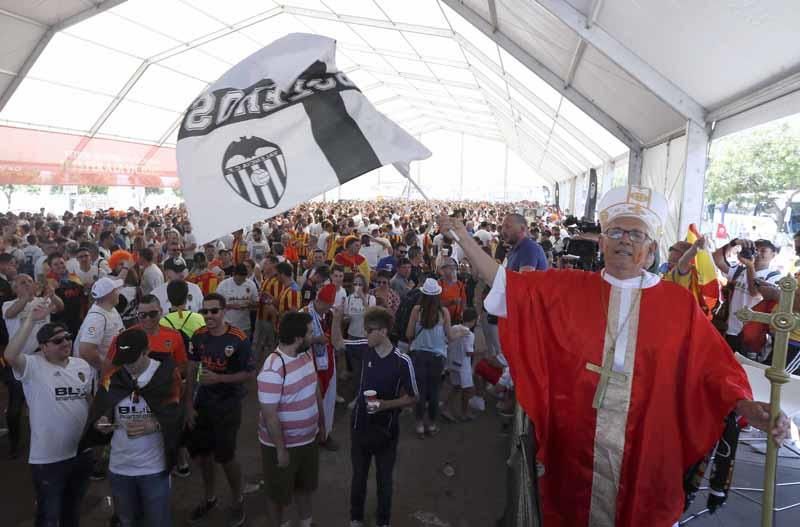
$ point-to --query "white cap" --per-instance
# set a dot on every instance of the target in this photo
(104, 286)
(638, 202)
(373, 227)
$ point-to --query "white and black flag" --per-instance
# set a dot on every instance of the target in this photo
(282, 126)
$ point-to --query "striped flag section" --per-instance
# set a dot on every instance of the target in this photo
(708, 288)
(281, 127)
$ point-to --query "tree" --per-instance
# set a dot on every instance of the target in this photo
(758, 168)
(92, 189)
(10, 190)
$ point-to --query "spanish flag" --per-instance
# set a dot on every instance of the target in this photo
(706, 288)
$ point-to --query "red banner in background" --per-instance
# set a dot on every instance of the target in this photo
(35, 157)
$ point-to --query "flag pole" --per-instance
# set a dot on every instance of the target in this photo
(404, 171)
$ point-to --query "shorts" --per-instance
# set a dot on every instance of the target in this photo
(264, 335)
(302, 474)
(461, 375)
(488, 372)
(215, 431)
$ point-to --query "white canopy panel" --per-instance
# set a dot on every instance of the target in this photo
(130, 71)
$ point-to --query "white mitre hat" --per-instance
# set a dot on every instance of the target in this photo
(635, 202)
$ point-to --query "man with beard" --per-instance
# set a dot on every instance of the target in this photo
(220, 363)
(524, 253)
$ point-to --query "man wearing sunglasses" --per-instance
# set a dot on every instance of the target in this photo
(603, 363)
(389, 263)
(58, 389)
(221, 362)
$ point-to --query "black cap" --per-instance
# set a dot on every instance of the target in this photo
(765, 243)
(47, 331)
(176, 264)
(241, 270)
(131, 343)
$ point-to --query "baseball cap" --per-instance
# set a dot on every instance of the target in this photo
(176, 264)
(327, 294)
(47, 331)
(765, 243)
(104, 286)
(130, 345)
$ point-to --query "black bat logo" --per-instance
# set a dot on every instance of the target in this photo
(246, 147)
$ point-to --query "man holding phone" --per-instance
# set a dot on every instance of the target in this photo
(752, 278)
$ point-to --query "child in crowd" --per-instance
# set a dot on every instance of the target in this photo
(462, 345)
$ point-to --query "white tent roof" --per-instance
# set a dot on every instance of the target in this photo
(567, 85)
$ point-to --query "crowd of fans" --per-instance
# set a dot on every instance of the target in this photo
(132, 344)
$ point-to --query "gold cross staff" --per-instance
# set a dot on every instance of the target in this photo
(782, 321)
(606, 374)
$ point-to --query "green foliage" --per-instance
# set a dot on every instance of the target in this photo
(153, 190)
(57, 189)
(92, 189)
(758, 167)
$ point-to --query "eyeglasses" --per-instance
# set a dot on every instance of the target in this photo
(213, 311)
(59, 340)
(149, 314)
(382, 282)
(403, 252)
(636, 236)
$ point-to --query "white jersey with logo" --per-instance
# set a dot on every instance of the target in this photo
(56, 397)
(247, 293)
(99, 328)
(194, 301)
(136, 456)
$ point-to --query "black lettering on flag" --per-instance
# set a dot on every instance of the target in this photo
(339, 136)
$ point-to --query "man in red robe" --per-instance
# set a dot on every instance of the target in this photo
(626, 381)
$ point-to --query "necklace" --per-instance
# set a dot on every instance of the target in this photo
(634, 303)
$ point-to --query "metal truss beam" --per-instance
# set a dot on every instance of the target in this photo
(652, 79)
(557, 83)
(371, 22)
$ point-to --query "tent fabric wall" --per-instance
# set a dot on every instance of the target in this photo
(663, 170)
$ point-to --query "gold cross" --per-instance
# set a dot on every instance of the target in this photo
(606, 374)
(782, 321)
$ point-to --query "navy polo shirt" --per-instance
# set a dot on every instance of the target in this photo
(527, 253)
(389, 376)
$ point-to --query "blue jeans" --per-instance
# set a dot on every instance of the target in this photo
(142, 500)
(428, 369)
(60, 487)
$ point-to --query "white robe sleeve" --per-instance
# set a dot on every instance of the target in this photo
(495, 301)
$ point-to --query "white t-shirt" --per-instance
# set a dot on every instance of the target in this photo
(99, 328)
(354, 308)
(257, 250)
(87, 277)
(31, 254)
(238, 294)
(194, 301)
(38, 267)
(152, 278)
(322, 241)
(136, 456)
(741, 296)
(56, 398)
(371, 253)
(189, 239)
(13, 325)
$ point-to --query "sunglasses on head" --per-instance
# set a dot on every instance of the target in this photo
(212, 310)
(58, 340)
(149, 314)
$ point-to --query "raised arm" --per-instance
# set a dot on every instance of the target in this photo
(13, 353)
(685, 261)
(484, 264)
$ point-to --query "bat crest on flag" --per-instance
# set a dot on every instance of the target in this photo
(256, 170)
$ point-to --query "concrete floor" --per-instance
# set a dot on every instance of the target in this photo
(423, 496)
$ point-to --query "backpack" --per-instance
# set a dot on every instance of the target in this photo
(403, 315)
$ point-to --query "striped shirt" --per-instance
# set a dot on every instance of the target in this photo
(269, 293)
(290, 299)
(207, 282)
(291, 385)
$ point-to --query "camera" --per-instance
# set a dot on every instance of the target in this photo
(747, 253)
